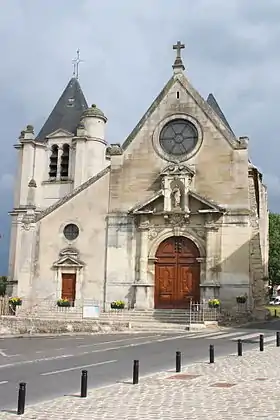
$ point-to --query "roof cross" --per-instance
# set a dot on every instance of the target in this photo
(76, 61)
(178, 63)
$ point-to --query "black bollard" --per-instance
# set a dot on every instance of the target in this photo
(239, 347)
(84, 381)
(211, 353)
(278, 339)
(178, 361)
(135, 379)
(21, 398)
(275, 313)
(261, 342)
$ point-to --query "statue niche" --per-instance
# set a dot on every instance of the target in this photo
(176, 198)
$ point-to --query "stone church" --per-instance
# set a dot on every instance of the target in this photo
(175, 214)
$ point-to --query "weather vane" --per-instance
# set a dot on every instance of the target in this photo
(76, 63)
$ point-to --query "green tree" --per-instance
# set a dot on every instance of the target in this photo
(274, 248)
(3, 285)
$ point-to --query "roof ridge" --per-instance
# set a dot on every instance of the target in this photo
(73, 193)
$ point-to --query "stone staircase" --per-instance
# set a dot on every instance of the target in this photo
(173, 320)
(155, 320)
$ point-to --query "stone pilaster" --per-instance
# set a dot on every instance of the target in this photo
(142, 284)
(212, 262)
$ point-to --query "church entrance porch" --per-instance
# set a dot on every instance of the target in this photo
(69, 287)
(177, 274)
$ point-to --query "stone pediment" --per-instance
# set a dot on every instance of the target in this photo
(148, 206)
(60, 133)
(68, 257)
(207, 205)
(155, 204)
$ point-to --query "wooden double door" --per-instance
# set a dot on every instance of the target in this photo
(177, 274)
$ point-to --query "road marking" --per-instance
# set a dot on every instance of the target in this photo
(2, 353)
(136, 344)
(226, 335)
(54, 372)
(45, 359)
(199, 335)
(118, 341)
(3, 382)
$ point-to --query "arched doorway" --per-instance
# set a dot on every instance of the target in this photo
(177, 273)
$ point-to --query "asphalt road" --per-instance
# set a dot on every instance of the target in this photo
(52, 366)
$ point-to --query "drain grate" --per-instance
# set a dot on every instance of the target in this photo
(183, 376)
(222, 385)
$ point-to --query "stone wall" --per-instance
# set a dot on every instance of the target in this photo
(258, 259)
(10, 325)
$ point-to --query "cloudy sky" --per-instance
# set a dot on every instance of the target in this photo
(232, 50)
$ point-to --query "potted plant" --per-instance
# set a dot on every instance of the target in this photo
(241, 299)
(214, 303)
(63, 303)
(15, 301)
(118, 304)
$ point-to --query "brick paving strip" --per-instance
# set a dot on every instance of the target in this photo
(233, 388)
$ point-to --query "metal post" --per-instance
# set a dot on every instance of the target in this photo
(278, 339)
(178, 361)
(135, 379)
(275, 313)
(239, 347)
(261, 342)
(211, 353)
(21, 398)
(84, 378)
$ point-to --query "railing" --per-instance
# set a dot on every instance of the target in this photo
(198, 313)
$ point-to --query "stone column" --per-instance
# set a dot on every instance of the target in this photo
(60, 151)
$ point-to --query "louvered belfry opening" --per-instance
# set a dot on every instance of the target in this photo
(53, 162)
(64, 165)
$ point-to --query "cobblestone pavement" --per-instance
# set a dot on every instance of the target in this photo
(234, 387)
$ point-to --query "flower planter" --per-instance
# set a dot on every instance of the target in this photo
(241, 299)
(117, 305)
(63, 303)
(214, 303)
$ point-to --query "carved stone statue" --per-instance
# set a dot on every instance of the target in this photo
(177, 197)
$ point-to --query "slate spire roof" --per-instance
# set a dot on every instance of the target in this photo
(67, 111)
(211, 100)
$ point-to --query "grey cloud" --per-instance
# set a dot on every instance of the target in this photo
(231, 49)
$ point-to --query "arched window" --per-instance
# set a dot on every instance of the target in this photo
(53, 162)
(64, 165)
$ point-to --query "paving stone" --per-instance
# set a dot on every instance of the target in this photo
(161, 397)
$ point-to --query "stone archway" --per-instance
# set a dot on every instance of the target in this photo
(177, 273)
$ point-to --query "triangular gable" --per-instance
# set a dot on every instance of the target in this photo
(152, 108)
(69, 261)
(212, 206)
(204, 106)
(140, 207)
(60, 133)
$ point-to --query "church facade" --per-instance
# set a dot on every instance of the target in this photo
(176, 213)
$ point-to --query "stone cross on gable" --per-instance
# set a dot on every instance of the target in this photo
(179, 46)
(178, 63)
